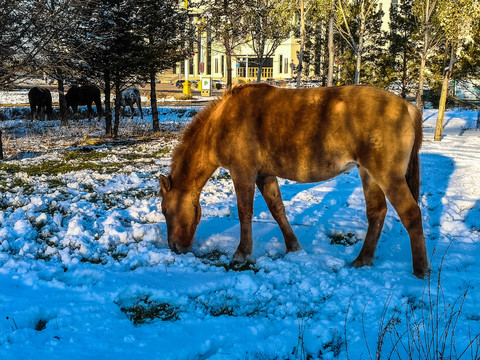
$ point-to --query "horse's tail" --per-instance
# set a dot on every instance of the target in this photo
(413, 171)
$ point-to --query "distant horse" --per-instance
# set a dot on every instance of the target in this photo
(84, 95)
(130, 97)
(259, 132)
(40, 100)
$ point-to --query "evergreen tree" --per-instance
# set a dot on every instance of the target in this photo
(402, 49)
(164, 25)
(11, 36)
(468, 66)
(113, 47)
(58, 21)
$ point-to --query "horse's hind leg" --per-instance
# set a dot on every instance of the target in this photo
(270, 190)
(400, 196)
(376, 211)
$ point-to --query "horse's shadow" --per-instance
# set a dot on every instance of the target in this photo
(326, 212)
(312, 209)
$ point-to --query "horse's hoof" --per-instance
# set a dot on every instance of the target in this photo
(358, 263)
(423, 273)
(294, 247)
(240, 257)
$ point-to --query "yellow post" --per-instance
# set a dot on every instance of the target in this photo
(187, 87)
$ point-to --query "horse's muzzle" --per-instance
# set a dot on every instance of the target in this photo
(176, 249)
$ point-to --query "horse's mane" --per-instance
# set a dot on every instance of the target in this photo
(199, 119)
(192, 128)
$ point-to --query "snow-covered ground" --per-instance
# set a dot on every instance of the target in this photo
(86, 273)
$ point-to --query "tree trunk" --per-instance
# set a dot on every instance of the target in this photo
(153, 100)
(331, 48)
(229, 69)
(62, 103)
(443, 97)
(302, 45)
(404, 76)
(421, 77)
(358, 65)
(108, 109)
(1, 146)
(117, 107)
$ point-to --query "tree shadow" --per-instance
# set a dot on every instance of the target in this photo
(472, 220)
(436, 171)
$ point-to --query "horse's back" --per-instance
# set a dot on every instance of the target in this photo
(313, 134)
(38, 96)
(83, 95)
(131, 96)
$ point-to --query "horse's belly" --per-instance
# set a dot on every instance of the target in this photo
(307, 172)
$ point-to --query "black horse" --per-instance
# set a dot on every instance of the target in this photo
(84, 95)
(40, 100)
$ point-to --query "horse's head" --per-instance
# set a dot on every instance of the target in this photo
(182, 213)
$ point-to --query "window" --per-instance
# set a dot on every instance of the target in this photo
(285, 67)
(216, 65)
(280, 70)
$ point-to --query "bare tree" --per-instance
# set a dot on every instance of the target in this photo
(270, 24)
(362, 10)
(425, 12)
(226, 21)
(456, 20)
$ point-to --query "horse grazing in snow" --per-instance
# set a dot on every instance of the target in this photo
(129, 97)
(84, 95)
(40, 100)
(259, 132)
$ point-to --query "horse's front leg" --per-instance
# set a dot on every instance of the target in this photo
(268, 186)
(90, 111)
(244, 190)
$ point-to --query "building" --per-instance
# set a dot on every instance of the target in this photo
(210, 61)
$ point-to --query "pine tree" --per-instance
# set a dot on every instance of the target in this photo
(113, 50)
(402, 44)
(164, 25)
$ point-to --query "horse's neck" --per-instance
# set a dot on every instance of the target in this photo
(193, 164)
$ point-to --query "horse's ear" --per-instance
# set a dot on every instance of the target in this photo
(165, 184)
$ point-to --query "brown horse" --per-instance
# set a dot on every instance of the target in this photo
(259, 132)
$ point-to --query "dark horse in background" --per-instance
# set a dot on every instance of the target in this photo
(40, 100)
(259, 132)
(84, 95)
(129, 97)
